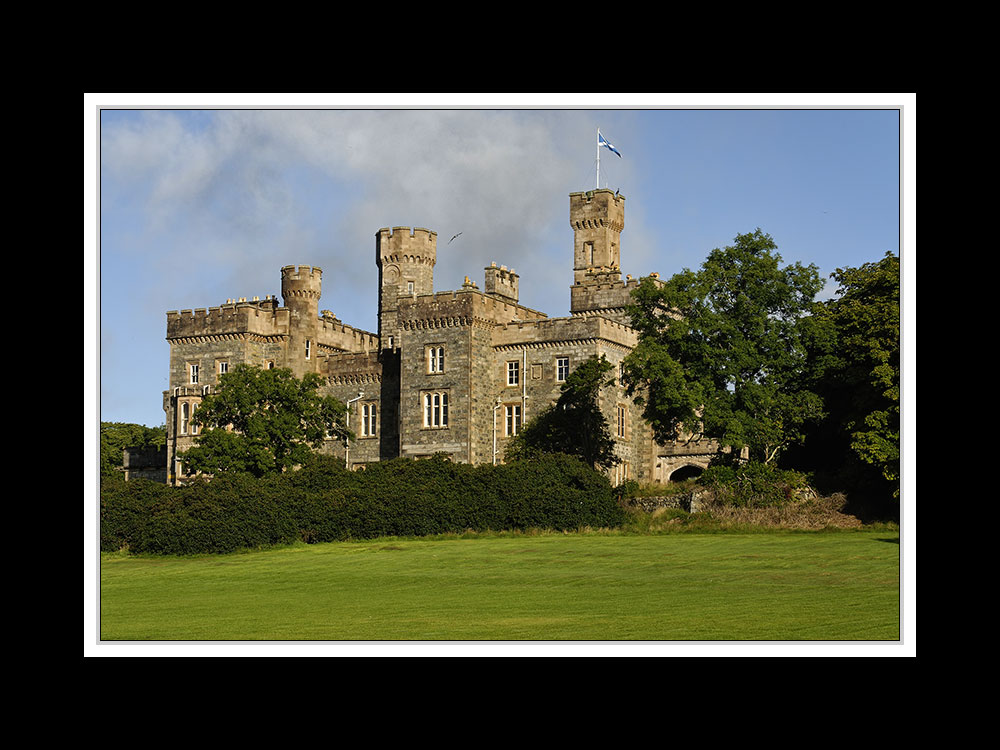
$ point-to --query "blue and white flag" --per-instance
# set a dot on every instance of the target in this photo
(602, 142)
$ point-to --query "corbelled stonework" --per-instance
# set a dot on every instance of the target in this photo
(453, 372)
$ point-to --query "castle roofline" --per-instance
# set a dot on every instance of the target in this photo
(468, 291)
(598, 190)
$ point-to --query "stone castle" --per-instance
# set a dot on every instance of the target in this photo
(456, 372)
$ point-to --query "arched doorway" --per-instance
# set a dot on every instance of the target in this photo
(685, 472)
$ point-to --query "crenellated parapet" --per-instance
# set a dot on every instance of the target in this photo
(352, 369)
(467, 306)
(259, 317)
(601, 294)
(301, 282)
(597, 209)
(405, 245)
(334, 334)
(559, 331)
(501, 283)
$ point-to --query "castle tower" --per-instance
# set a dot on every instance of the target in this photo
(597, 218)
(405, 258)
(300, 288)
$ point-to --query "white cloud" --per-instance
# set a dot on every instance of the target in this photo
(249, 191)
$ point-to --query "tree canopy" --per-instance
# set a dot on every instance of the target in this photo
(857, 366)
(263, 422)
(722, 350)
(574, 424)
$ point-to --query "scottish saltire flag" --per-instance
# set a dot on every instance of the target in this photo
(602, 142)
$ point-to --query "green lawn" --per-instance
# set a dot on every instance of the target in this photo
(576, 587)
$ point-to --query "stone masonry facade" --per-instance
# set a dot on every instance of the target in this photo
(456, 372)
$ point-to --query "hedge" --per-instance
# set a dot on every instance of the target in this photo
(322, 502)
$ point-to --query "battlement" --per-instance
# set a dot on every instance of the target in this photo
(301, 281)
(335, 334)
(461, 307)
(558, 330)
(501, 282)
(353, 368)
(403, 244)
(262, 317)
(597, 208)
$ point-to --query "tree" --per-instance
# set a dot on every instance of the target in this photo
(722, 350)
(263, 422)
(117, 436)
(574, 424)
(858, 370)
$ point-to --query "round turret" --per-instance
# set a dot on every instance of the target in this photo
(300, 288)
(301, 283)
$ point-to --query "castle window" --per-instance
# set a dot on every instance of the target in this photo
(194, 374)
(562, 368)
(368, 420)
(622, 422)
(185, 417)
(435, 359)
(223, 367)
(513, 372)
(435, 409)
(622, 472)
(409, 287)
(512, 419)
(270, 364)
(308, 347)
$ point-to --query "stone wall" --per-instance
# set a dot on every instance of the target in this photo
(146, 463)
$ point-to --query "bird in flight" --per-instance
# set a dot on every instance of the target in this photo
(449, 241)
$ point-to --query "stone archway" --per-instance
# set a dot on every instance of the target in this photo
(677, 468)
(688, 471)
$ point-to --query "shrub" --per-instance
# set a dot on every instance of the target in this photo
(323, 502)
(225, 514)
(125, 508)
(753, 484)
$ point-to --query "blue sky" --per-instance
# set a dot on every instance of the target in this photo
(198, 205)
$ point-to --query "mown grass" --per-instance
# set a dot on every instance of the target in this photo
(612, 586)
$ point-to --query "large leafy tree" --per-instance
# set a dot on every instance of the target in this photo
(858, 369)
(722, 350)
(574, 424)
(263, 422)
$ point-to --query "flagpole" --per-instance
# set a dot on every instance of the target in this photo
(598, 159)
